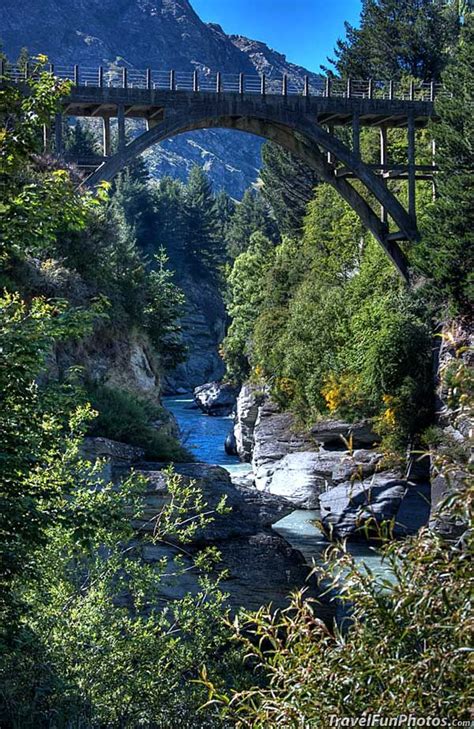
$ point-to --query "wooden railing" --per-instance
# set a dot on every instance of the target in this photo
(239, 83)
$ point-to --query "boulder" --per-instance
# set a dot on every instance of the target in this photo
(337, 433)
(230, 444)
(261, 567)
(215, 398)
(248, 402)
(293, 464)
(354, 510)
(116, 456)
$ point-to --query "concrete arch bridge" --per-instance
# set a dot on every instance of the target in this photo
(301, 117)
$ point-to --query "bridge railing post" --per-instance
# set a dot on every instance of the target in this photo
(390, 90)
(195, 80)
(172, 80)
(51, 69)
(432, 91)
(76, 75)
(2, 68)
(263, 84)
(148, 79)
(241, 83)
(284, 85)
(327, 90)
(124, 78)
(306, 86)
(218, 82)
(27, 70)
(349, 88)
(412, 90)
(100, 77)
(371, 89)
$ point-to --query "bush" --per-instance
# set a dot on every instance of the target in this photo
(130, 419)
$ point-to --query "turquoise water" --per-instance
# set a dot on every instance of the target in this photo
(204, 436)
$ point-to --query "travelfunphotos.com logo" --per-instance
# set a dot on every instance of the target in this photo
(403, 720)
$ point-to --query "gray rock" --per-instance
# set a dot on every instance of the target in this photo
(230, 444)
(348, 509)
(215, 398)
(251, 511)
(248, 402)
(261, 566)
(337, 433)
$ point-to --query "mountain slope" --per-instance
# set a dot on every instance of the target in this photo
(160, 34)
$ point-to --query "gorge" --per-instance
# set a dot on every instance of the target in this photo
(236, 378)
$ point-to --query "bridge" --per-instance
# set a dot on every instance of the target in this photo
(301, 116)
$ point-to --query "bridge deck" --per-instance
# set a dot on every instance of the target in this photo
(336, 111)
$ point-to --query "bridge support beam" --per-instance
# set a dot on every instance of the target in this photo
(58, 134)
(106, 146)
(356, 135)
(411, 167)
(121, 127)
(383, 161)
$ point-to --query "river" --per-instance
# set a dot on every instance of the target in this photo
(204, 437)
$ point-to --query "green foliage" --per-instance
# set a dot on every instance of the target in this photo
(251, 216)
(288, 185)
(329, 326)
(404, 635)
(403, 652)
(245, 298)
(202, 244)
(397, 37)
(446, 253)
(131, 419)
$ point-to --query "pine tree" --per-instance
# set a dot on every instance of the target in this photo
(171, 221)
(251, 216)
(132, 194)
(398, 37)
(80, 141)
(288, 186)
(224, 208)
(447, 251)
(202, 244)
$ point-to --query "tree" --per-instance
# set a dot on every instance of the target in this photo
(131, 193)
(397, 37)
(288, 186)
(224, 208)
(80, 141)
(170, 218)
(202, 244)
(447, 250)
(251, 216)
(245, 296)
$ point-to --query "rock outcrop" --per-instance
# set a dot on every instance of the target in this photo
(456, 424)
(262, 566)
(203, 324)
(248, 403)
(301, 465)
(358, 509)
(215, 398)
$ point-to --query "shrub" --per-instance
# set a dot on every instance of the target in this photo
(129, 418)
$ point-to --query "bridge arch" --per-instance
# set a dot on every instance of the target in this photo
(296, 132)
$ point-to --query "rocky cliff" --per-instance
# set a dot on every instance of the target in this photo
(159, 34)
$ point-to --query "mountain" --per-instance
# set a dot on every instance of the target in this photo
(160, 34)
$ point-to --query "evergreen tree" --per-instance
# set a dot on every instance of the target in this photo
(171, 221)
(202, 244)
(251, 216)
(398, 37)
(447, 251)
(288, 186)
(224, 208)
(80, 141)
(132, 194)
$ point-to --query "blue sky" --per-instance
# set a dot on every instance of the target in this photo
(305, 30)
